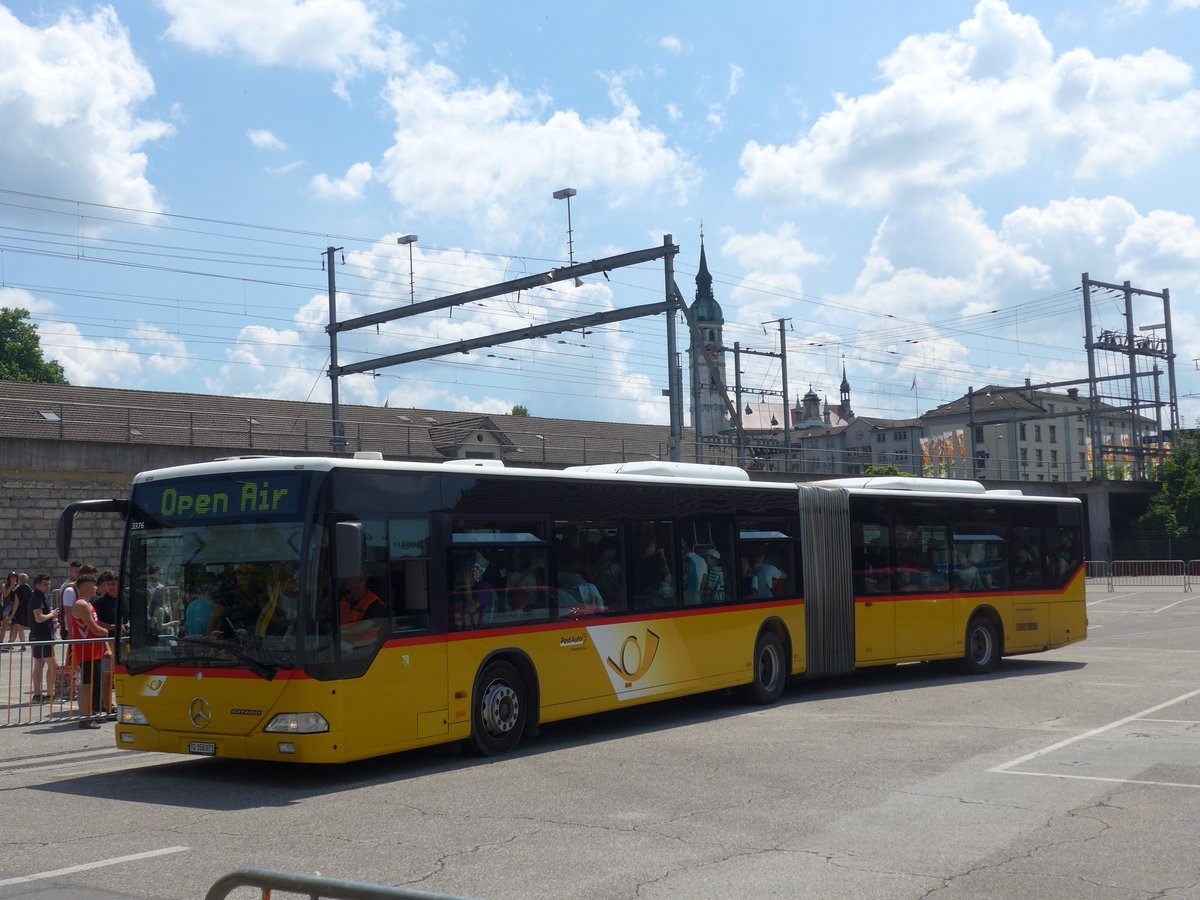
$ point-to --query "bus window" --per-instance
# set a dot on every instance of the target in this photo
(767, 564)
(492, 586)
(1027, 562)
(1063, 555)
(590, 568)
(980, 558)
(706, 554)
(872, 559)
(498, 573)
(921, 559)
(408, 573)
(653, 578)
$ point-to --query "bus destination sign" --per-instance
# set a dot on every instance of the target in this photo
(223, 497)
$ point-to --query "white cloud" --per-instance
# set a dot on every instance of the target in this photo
(68, 96)
(349, 187)
(671, 43)
(987, 100)
(674, 113)
(782, 251)
(343, 37)
(264, 140)
(102, 362)
(1112, 241)
(490, 152)
(932, 263)
(18, 298)
(167, 352)
(772, 264)
(736, 74)
(1180, 5)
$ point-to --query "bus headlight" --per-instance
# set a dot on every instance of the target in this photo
(130, 715)
(298, 723)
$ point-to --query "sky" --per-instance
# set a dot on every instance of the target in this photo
(915, 188)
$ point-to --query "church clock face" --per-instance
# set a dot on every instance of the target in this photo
(714, 353)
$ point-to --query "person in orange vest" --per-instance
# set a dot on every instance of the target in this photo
(359, 610)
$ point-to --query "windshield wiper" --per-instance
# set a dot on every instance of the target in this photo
(265, 670)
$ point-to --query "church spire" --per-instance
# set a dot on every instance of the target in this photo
(844, 407)
(703, 278)
(705, 306)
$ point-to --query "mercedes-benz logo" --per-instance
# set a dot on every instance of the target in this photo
(200, 712)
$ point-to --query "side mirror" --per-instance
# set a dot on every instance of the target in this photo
(66, 520)
(347, 549)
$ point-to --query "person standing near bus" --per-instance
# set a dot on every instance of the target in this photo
(42, 629)
(18, 629)
(85, 627)
(105, 605)
(10, 597)
(66, 596)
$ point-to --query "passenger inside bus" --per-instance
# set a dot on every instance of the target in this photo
(610, 577)
(715, 588)
(466, 607)
(526, 580)
(361, 613)
(966, 574)
(652, 582)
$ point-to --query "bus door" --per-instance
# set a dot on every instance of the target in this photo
(403, 695)
(874, 598)
(923, 574)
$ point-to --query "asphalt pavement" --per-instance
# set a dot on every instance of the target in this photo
(1074, 773)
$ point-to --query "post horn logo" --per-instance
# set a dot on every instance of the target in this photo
(200, 713)
(635, 661)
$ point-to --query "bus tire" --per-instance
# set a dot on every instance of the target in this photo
(500, 709)
(981, 652)
(770, 671)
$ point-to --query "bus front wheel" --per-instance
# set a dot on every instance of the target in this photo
(770, 671)
(982, 653)
(501, 709)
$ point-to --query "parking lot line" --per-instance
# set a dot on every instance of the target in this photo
(1004, 768)
(1169, 605)
(69, 870)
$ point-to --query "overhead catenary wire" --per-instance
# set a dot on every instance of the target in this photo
(370, 279)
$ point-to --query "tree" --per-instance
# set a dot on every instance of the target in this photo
(21, 351)
(886, 470)
(1175, 508)
(519, 410)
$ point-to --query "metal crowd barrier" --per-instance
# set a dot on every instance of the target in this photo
(1144, 573)
(314, 886)
(56, 698)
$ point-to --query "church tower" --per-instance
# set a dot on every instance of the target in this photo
(844, 409)
(708, 382)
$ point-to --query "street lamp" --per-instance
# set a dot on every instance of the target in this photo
(409, 239)
(567, 194)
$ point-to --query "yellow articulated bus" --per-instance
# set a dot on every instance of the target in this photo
(326, 610)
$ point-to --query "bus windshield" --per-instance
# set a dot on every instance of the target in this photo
(215, 572)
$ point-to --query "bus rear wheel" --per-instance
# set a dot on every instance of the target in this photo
(982, 653)
(770, 671)
(500, 710)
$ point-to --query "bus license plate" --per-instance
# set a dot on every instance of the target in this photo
(203, 748)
